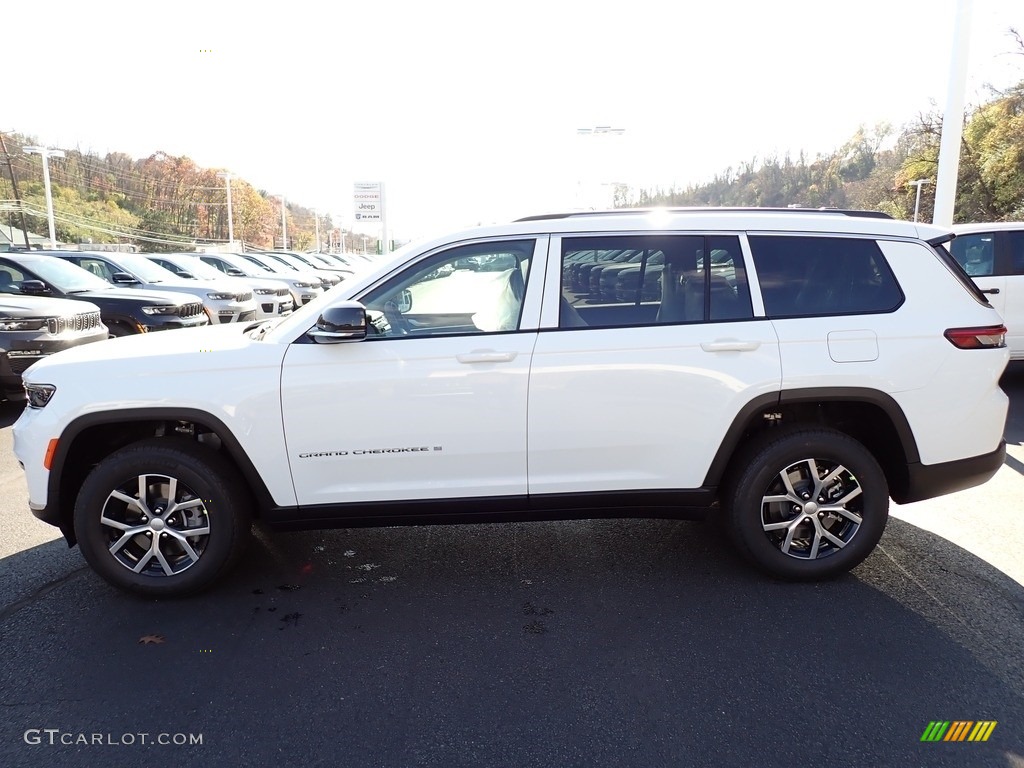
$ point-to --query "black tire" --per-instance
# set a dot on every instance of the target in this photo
(115, 330)
(763, 516)
(209, 494)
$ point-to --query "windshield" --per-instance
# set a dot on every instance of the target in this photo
(283, 261)
(264, 263)
(198, 268)
(145, 269)
(65, 276)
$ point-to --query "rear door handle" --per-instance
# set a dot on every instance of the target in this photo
(486, 356)
(730, 345)
(990, 290)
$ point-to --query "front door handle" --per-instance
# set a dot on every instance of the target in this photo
(486, 356)
(729, 345)
(990, 290)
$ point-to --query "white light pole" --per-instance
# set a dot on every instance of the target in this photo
(364, 245)
(46, 155)
(316, 219)
(917, 201)
(231, 224)
(284, 226)
(953, 118)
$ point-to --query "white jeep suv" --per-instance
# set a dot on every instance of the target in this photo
(795, 371)
(993, 255)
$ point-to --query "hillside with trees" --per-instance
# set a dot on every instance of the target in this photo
(160, 202)
(875, 170)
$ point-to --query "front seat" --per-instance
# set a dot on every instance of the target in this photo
(6, 281)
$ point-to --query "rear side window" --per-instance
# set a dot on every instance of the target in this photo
(976, 253)
(816, 276)
(1015, 246)
(617, 281)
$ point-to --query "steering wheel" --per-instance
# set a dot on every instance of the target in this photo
(399, 325)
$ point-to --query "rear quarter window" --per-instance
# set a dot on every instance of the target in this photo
(807, 276)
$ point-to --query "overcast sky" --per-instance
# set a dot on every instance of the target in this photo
(469, 111)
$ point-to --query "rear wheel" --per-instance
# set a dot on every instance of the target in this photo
(162, 517)
(806, 504)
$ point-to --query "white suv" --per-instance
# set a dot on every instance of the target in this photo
(993, 255)
(794, 372)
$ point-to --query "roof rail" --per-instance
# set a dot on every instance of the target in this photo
(706, 209)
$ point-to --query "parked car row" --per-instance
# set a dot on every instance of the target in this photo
(53, 300)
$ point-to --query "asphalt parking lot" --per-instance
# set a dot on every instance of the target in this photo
(629, 642)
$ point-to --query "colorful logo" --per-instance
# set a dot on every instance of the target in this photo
(958, 730)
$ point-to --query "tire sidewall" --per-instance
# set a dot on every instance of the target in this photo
(775, 455)
(203, 472)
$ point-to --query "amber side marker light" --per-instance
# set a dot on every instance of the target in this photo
(51, 448)
(989, 337)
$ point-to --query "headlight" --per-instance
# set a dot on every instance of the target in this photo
(221, 296)
(300, 284)
(265, 291)
(39, 394)
(24, 324)
(163, 309)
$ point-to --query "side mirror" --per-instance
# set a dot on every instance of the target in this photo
(344, 321)
(122, 278)
(404, 302)
(235, 272)
(184, 273)
(34, 287)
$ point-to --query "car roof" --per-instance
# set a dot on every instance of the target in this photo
(992, 226)
(711, 219)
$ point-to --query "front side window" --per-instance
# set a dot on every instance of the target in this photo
(471, 289)
(626, 280)
(816, 276)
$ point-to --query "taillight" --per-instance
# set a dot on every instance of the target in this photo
(989, 337)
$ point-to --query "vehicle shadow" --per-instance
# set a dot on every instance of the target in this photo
(619, 642)
(1012, 383)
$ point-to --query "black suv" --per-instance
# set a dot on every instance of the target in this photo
(31, 328)
(125, 310)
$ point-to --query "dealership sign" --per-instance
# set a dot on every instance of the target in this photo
(367, 201)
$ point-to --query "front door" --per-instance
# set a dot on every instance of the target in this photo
(433, 404)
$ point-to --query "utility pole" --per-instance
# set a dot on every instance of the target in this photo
(316, 219)
(46, 154)
(14, 186)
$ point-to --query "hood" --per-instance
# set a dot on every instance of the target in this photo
(141, 295)
(197, 287)
(31, 306)
(132, 352)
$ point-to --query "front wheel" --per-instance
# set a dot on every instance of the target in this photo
(163, 517)
(806, 504)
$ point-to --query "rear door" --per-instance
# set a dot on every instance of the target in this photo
(637, 394)
(1012, 250)
(981, 256)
